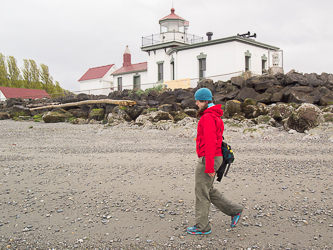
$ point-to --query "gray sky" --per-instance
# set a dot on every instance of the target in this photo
(71, 36)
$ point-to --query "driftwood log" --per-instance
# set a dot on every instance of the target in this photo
(87, 102)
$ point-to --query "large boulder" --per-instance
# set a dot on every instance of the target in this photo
(277, 97)
(134, 111)
(69, 99)
(246, 93)
(263, 98)
(164, 95)
(188, 103)
(207, 83)
(314, 80)
(120, 113)
(166, 108)
(115, 95)
(281, 111)
(232, 108)
(306, 117)
(238, 81)
(13, 101)
(169, 100)
(19, 110)
(83, 97)
(53, 117)
(96, 114)
(154, 117)
(4, 116)
(293, 78)
(191, 112)
(182, 94)
(161, 116)
(298, 97)
(251, 111)
(326, 99)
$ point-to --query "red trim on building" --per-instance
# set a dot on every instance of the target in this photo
(133, 67)
(23, 93)
(96, 73)
(172, 16)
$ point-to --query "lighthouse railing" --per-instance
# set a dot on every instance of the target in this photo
(170, 37)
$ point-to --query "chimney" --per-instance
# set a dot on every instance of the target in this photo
(127, 57)
(209, 34)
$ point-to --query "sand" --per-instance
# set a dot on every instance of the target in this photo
(65, 186)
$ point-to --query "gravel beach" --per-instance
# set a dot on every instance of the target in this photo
(93, 186)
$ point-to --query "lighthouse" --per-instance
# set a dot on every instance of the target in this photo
(173, 33)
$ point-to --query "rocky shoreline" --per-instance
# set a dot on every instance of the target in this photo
(97, 186)
(293, 101)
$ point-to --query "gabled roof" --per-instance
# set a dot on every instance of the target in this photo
(172, 16)
(96, 73)
(131, 68)
(23, 93)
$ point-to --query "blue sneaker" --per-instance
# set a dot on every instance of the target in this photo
(194, 230)
(235, 219)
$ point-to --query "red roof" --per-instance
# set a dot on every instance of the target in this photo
(131, 68)
(23, 93)
(95, 73)
(172, 16)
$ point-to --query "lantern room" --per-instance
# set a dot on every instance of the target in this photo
(173, 23)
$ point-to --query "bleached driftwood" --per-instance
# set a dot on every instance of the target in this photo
(87, 102)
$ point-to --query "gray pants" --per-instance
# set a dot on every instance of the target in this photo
(205, 194)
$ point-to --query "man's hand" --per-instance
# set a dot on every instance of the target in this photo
(211, 174)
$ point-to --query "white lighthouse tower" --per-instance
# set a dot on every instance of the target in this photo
(173, 28)
(173, 33)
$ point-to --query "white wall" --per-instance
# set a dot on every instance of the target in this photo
(255, 61)
(2, 96)
(128, 80)
(222, 59)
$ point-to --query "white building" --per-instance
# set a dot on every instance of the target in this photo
(98, 80)
(174, 54)
(178, 59)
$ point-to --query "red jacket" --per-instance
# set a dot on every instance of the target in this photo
(209, 136)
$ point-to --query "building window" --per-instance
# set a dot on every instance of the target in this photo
(136, 81)
(202, 68)
(160, 71)
(172, 66)
(202, 65)
(263, 63)
(120, 83)
(247, 60)
(247, 63)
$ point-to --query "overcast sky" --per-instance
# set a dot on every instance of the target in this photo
(71, 36)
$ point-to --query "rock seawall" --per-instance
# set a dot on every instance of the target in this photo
(292, 101)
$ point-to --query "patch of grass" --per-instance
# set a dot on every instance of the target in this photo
(265, 119)
(71, 119)
(123, 108)
(328, 117)
(235, 125)
(15, 118)
(151, 110)
(38, 118)
(249, 130)
(31, 126)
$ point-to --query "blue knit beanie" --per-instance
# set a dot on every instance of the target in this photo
(203, 94)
